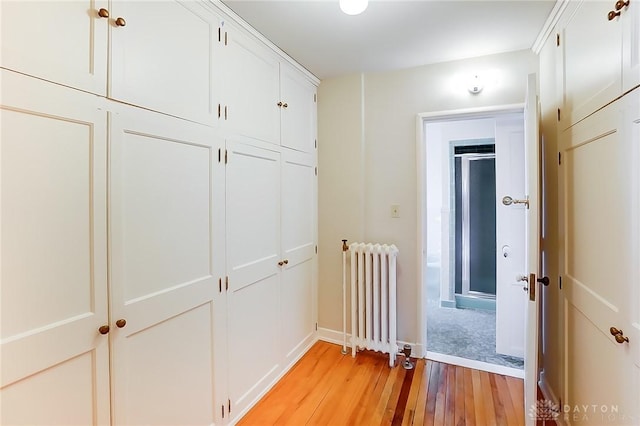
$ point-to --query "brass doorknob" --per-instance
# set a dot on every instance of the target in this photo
(612, 15)
(543, 281)
(280, 263)
(285, 105)
(279, 104)
(103, 13)
(104, 329)
(121, 22)
(121, 323)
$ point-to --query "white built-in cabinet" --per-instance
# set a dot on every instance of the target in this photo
(600, 43)
(158, 214)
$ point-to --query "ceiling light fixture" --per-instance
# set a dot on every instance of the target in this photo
(353, 7)
(475, 84)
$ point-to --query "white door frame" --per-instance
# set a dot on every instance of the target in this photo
(457, 114)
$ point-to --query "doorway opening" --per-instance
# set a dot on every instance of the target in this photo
(473, 247)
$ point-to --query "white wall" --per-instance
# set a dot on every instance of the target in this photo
(367, 162)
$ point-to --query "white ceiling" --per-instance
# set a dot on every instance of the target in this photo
(393, 34)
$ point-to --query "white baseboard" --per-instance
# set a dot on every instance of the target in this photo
(335, 336)
(476, 365)
(549, 395)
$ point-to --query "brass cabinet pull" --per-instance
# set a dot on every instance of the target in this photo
(279, 104)
(103, 13)
(121, 22)
(121, 323)
(619, 335)
(286, 261)
(280, 263)
(612, 15)
(103, 329)
(285, 105)
(620, 4)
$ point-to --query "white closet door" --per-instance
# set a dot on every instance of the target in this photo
(298, 128)
(60, 41)
(164, 58)
(298, 249)
(250, 94)
(53, 285)
(253, 247)
(162, 175)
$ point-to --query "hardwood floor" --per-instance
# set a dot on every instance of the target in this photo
(328, 388)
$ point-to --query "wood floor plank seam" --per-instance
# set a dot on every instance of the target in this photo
(328, 388)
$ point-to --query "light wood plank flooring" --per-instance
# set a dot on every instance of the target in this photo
(328, 388)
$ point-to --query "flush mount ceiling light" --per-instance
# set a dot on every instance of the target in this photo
(353, 7)
(475, 84)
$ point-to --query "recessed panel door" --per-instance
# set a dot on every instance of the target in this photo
(163, 260)
(298, 117)
(253, 268)
(298, 292)
(53, 284)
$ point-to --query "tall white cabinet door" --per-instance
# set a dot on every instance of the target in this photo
(631, 46)
(163, 58)
(53, 284)
(250, 93)
(592, 47)
(162, 175)
(602, 263)
(298, 293)
(298, 125)
(253, 247)
(60, 41)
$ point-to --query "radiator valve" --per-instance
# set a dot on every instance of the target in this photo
(406, 351)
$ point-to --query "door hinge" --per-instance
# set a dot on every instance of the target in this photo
(219, 110)
(316, 249)
(219, 34)
(314, 98)
(558, 114)
(226, 156)
(222, 410)
(316, 326)
(225, 112)
(225, 38)
(219, 155)
(560, 282)
(229, 406)
(559, 159)
(226, 287)
(557, 39)
(220, 284)
(316, 171)
(315, 143)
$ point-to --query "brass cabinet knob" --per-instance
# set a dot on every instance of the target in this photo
(103, 13)
(612, 15)
(121, 22)
(286, 261)
(103, 329)
(619, 335)
(280, 263)
(121, 323)
(285, 105)
(620, 4)
(279, 104)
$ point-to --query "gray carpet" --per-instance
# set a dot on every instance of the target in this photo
(466, 333)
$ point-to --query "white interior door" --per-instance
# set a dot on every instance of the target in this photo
(298, 249)
(600, 157)
(164, 275)
(532, 171)
(511, 235)
(253, 253)
(53, 286)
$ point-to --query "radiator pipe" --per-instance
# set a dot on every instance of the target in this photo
(344, 296)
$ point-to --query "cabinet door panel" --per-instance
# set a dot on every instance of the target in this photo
(298, 248)
(250, 88)
(631, 52)
(253, 247)
(53, 287)
(61, 41)
(162, 268)
(592, 47)
(298, 126)
(163, 58)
